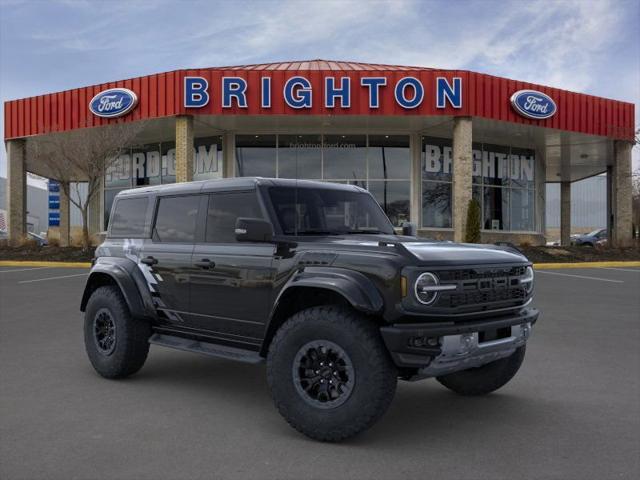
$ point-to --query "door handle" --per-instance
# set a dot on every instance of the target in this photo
(149, 261)
(205, 263)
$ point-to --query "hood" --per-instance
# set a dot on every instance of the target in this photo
(462, 253)
(433, 252)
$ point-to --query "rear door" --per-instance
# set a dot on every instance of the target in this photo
(232, 283)
(168, 254)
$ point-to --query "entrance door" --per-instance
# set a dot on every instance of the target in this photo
(169, 253)
(230, 291)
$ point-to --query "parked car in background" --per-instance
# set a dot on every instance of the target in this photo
(39, 239)
(590, 239)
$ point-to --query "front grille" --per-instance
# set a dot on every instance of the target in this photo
(482, 287)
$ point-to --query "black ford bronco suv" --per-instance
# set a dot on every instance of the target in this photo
(311, 278)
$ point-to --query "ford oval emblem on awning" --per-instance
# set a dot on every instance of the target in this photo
(533, 104)
(114, 102)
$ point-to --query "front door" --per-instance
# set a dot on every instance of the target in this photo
(168, 255)
(231, 288)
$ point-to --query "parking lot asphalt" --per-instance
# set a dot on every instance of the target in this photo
(572, 412)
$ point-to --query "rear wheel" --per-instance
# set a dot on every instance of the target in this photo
(487, 378)
(329, 373)
(117, 345)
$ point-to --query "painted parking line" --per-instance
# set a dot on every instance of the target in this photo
(53, 278)
(580, 276)
(637, 270)
(24, 269)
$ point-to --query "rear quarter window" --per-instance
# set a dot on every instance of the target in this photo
(128, 217)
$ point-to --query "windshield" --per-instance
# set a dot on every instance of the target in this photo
(324, 211)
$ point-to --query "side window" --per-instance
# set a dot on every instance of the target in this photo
(128, 217)
(176, 219)
(224, 210)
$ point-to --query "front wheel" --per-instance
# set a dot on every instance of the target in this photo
(329, 373)
(116, 343)
(487, 378)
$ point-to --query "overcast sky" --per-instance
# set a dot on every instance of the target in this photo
(582, 45)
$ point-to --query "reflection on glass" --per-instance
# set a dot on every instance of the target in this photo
(394, 199)
(436, 204)
(168, 162)
(255, 155)
(437, 163)
(207, 160)
(118, 172)
(495, 164)
(146, 165)
(496, 208)
(389, 157)
(345, 156)
(522, 210)
(300, 156)
(109, 195)
(522, 163)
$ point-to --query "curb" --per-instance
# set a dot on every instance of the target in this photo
(547, 266)
(538, 266)
(29, 263)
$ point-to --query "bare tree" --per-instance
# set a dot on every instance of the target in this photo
(82, 156)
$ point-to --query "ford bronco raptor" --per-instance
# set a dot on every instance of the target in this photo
(312, 279)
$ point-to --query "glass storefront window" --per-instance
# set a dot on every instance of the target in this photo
(146, 161)
(522, 164)
(389, 157)
(168, 162)
(345, 157)
(522, 210)
(436, 204)
(437, 161)
(300, 156)
(495, 165)
(496, 208)
(393, 197)
(256, 155)
(118, 173)
(207, 158)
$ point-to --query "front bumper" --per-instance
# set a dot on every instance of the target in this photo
(434, 349)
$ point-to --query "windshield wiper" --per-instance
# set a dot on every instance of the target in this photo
(314, 232)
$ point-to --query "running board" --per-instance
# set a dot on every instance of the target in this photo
(220, 351)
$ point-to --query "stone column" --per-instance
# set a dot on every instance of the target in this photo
(16, 191)
(228, 155)
(184, 148)
(65, 216)
(621, 184)
(415, 210)
(462, 174)
(565, 213)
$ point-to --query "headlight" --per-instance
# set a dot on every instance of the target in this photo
(427, 287)
(527, 280)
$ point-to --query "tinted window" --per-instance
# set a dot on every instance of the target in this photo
(224, 210)
(176, 219)
(128, 217)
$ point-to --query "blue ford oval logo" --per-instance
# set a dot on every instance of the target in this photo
(114, 102)
(533, 104)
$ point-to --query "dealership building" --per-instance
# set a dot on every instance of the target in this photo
(423, 141)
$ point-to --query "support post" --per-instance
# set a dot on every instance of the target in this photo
(621, 183)
(228, 155)
(184, 148)
(16, 191)
(565, 213)
(462, 174)
(415, 212)
(65, 216)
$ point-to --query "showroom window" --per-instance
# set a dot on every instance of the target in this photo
(155, 163)
(503, 184)
(380, 163)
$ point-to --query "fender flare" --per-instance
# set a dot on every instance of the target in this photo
(126, 274)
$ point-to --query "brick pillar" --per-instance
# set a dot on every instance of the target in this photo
(65, 216)
(565, 213)
(462, 174)
(16, 191)
(416, 179)
(184, 148)
(621, 185)
(228, 155)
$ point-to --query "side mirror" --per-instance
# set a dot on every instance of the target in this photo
(409, 229)
(253, 230)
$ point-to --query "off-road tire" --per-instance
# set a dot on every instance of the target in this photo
(375, 375)
(131, 335)
(485, 379)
